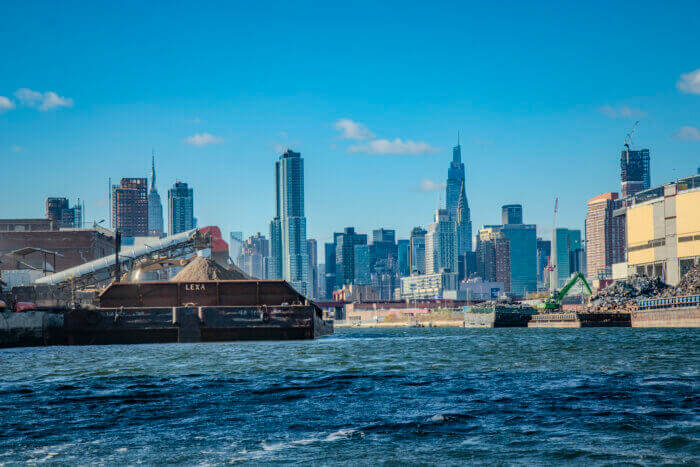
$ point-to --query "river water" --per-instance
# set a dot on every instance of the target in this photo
(448, 396)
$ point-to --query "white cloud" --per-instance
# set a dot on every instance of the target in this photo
(621, 112)
(688, 133)
(429, 185)
(46, 101)
(16, 148)
(396, 146)
(6, 104)
(203, 139)
(690, 82)
(353, 130)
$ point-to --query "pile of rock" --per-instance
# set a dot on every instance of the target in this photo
(689, 284)
(624, 294)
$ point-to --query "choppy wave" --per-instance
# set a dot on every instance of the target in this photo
(447, 396)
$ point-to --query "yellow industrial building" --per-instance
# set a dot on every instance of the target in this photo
(663, 230)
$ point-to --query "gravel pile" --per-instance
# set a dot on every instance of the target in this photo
(206, 269)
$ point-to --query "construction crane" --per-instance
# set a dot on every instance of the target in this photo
(628, 138)
(551, 264)
(553, 303)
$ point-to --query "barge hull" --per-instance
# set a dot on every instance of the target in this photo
(160, 325)
(688, 317)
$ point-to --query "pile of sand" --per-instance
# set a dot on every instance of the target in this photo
(206, 269)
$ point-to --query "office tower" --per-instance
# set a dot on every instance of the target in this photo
(345, 255)
(441, 244)
(362, 272)
(635, 172)
(155, 207)
(523, 256)
(180, 208)
(330, 270)
(289, 258)
(544, 251)
(235, 245)
(417, 251)
(65, 217)
(605, 238)
(512, 214)
(130, 207)
(383, 246)
(457, 202)
(567, 246)
(493, 257)
(312, 252)
(404, 253)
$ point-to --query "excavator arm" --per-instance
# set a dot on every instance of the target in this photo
(570, 284)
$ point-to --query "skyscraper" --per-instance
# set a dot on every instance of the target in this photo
(441, 244)
(565, 256)
(288, 228)
(493, 256)
(130, 207)
(155, 207)
(235, 245)
(635, 172)
(312, 252)
(457, 203)
(605, 244)
(417, 250)
(523, 256)
(512, 214)
(403, 254)
(345, 255)
(180, 208)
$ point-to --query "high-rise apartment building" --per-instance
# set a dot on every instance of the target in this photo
(417, 250)
(512, 214)
(130, 207)
(605, 238)
(289, 258)
(441, 250)
(635, 172)
(155, 207)
(457, 203)
(493, 257)
(180, 208)
(253, 255)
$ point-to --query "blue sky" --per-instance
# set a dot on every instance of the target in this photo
(542, 93)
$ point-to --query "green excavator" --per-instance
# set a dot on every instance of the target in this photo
(553, 303)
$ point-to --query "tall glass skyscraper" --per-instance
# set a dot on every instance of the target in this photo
(457, 203)
(180, 208)
(155, 207)
(289, 258)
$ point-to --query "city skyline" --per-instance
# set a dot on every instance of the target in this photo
(513, 109)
